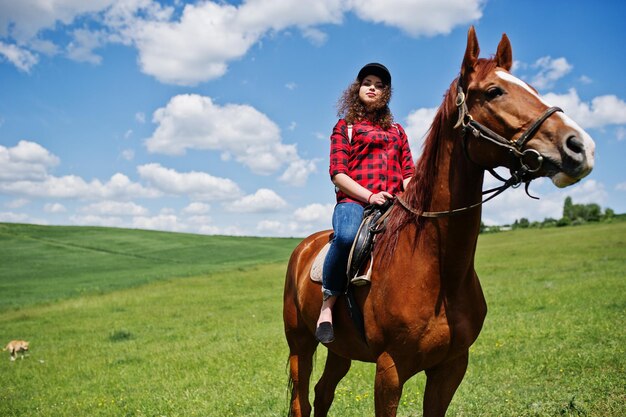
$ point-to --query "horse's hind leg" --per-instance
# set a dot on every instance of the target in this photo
(441, 384)
(336, 368)
(302, 347)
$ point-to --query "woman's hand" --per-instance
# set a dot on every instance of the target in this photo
(379, 198)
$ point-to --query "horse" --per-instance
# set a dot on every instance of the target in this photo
(425, 307)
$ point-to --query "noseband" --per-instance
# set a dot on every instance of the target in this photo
(528, 160)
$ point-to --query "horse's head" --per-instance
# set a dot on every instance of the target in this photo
(524, 129)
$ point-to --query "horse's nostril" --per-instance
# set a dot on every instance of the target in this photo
(575, 144)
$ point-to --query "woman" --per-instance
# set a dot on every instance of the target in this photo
(370, 162)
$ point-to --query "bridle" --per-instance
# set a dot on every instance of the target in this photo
(528, 160)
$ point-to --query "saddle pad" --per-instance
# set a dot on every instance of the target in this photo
(318, 264)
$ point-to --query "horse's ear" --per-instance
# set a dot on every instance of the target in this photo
(504, 55)
(471, 53)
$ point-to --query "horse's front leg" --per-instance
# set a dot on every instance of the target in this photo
(388, 387)
(441, 384)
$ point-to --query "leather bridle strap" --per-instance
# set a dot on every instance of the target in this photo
(521, 141)
(477, 130)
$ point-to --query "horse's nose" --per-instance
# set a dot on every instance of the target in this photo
(577, 153)
(575, 148)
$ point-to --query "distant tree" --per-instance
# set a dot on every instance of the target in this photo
(608, 214)
(564, 221)
(549, 222)
(568, 209)
(523, 223)
(592, 212)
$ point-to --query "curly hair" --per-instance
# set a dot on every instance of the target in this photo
(352, 109)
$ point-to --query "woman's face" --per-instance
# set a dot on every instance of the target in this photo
(371, 90)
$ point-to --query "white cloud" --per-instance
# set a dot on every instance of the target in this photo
(304, 221)
(197, 208)
(315, 36)
(10, 217)
(22, 20)
(72, 186)
(140, 117)
(198, 221)
(54, 208)
(198, 185)
(621, 186)
(602, 111)
(81, 48)
(262, 15)
(95, 220)
(170, 51)
(233, 230)
(418, 123)
(228, 33)
(419, 17)
(114, 208)
(550, 70)
(279, 228)
(128, 154)
(168, 222)
(321, 214)
(20, 57)
(264, 200)
(168, 43)
(18, 203)
(25, 161)
(162, 221)
(298, 172)
(191, 121)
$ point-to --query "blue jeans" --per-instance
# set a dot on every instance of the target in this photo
(347, 218)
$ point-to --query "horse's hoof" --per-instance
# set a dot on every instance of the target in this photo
(324, 332)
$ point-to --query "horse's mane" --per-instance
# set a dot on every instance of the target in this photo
(419, 191)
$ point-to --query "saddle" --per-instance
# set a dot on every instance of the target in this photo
(374, 217)
(373, 223)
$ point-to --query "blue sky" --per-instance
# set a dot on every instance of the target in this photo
(214, 117)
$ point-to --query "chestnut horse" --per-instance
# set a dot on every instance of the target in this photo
(425, 307)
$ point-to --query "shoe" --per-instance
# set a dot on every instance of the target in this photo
(324, 332)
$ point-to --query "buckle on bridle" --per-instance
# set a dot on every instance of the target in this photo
(460, 98)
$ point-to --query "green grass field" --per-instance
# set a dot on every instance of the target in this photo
(134, 323)
(42, 263)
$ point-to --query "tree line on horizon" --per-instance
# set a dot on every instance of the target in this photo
(573, 215)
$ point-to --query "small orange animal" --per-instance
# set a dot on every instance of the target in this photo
(15, 347)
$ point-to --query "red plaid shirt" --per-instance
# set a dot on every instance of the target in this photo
(377, 159)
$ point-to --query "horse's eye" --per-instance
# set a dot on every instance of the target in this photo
(493, 92)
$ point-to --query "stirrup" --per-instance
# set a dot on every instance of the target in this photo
(360, 280)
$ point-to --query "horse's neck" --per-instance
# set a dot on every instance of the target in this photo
(458, 183)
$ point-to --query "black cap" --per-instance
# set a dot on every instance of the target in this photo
(377, 69)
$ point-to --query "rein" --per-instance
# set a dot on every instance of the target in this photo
(530, 160)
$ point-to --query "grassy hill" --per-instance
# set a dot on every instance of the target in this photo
(212, 344)
(47, 263)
